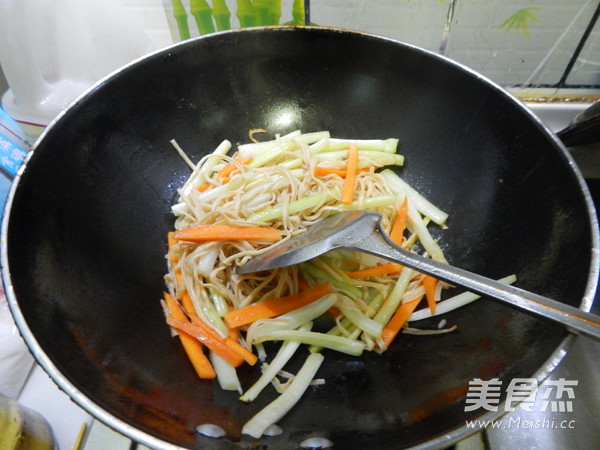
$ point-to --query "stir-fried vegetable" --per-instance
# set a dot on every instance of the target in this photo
(235, 207)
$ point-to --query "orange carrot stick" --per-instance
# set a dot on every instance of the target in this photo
(348, 189)
(275, 307)
(430, 285)
(324, 171)
(229, 168)
(239, 350)
(188, 305)
(207, 336)
(242, 351)
(397, 233)
(193, 348)
(202, 233)
(171, 242)
(334, 311)
(398, 320)
(203, 187)
(377, 271)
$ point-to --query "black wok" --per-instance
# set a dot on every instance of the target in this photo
(85, 228)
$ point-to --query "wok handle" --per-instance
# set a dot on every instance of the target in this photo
(378, 244)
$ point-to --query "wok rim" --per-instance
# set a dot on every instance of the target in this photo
(139, 436)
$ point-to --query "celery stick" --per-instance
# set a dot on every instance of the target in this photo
(320, 146)
(279, 407)
(395, 298)
(370, 203)
(254, 148)
(203, 171)
(424, 206)
(276, 212)
(219, 302)
(374, 304)
(366, 158)
(262, 159)
(354, 315)
(455, 302)
(296, 137)
(226, 374)
(210, 253)
(291, 320)
(427, 241)
(337, 343)
(286, 351)
(312, 138)
(321, 275)
(292, 164)
(381, 145)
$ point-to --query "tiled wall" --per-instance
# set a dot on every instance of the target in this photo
(473, 36)
(468, 31)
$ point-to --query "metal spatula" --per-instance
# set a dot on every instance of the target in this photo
(361, 230)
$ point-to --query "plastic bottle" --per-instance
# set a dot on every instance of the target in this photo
(52, 50)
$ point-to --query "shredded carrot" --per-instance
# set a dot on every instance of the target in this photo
(229, 168)
(302, 283)
(202, 233)
(398, 320)
(188, 305)
(242, 351)
(207, 336)
(171, 242)
(230, 341)
(334, 311)
(397, 233)
(193, 348)
(377, 271)
(203, 187)
(349, 181)
(324, 171)
(275, 307)
(430, 285)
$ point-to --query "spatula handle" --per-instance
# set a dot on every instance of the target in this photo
(378, 244)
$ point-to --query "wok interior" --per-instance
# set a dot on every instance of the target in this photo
(86, 238)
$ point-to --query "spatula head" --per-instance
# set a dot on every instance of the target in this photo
(336, 231)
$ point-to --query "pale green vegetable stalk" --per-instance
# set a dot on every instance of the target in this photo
(320, 275)
(256, 148)
(286, 351)
(424, 206)
(420, 228)
(276, 212)
(219, 302)
(355, 315)
(394, 299)
(366, 159)
(279, 407)
(370, 203)
(203, 171)
(291, 320)
(264, 158)
(337, 343)
(380, 145)
(455, 302)
(226, 374)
